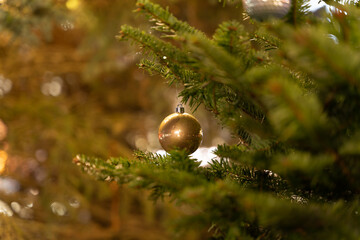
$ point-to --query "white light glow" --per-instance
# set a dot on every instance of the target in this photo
(205, 155)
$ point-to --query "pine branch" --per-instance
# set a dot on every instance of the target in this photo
(152, 67)
(234, 38)
(247, 176)
(238, 207)
(163, 50)
(330, 65)
(165, 21)
(173, 72)
(265, 39)
(147, 171)
(222, 66)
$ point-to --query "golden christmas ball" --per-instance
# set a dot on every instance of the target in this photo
(180, 131)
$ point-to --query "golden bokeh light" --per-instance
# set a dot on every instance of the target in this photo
(3, 158)
(73, 4)
(3, 130)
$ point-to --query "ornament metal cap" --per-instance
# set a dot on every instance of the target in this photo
(179, 108)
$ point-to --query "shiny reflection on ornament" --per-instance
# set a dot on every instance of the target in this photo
(58, 208)
(178, 133)
(3, 158)
(5, 209)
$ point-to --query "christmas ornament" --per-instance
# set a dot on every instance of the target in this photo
(265, 9)
(180, 131)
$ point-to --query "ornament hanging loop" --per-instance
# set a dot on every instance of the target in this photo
(179, 108)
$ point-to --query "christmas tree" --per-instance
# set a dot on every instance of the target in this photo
(288, 90)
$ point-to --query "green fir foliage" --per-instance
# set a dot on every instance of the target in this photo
(290, 92)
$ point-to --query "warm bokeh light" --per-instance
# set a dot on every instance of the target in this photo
(72, 4)
(3, 130)
(3, 158)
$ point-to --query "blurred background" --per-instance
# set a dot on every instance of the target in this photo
(67, 87)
